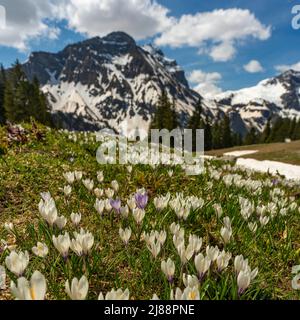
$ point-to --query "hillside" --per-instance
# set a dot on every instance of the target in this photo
(210, 215)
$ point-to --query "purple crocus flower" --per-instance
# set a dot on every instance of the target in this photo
(141, 200)
(116, 205)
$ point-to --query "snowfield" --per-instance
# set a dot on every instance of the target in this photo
(291, 172)
(240, 153)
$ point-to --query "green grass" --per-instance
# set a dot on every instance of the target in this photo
(37, 166)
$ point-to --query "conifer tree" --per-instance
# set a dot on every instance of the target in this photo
(226, 134)
(196, 122)
(251, 137)
(265, 136)
(207, 135)
(24, 99)
(165, 116)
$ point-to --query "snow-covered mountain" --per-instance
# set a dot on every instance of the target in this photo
(109, 82)
(112, 82)
(278, 96)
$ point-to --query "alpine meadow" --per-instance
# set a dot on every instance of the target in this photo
(88, 210)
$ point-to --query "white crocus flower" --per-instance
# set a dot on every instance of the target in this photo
(227, 222)
(155, 297)
(160, 203)
(35, 289)
(240, 263)
(154, 248)
(188, 294)
(264, 220)
(79, 289)
(62, 244)
(296, 269)
(67, 190)
(168, 268)
(131, 204)
(202, 265)
(100, 176)
(75, 218)
(17, 262)
(99, 206)
(89, 184)
(41, 250)
(252, 226)
(115, 295)
(243, 281)
(218, 210)
(162, 237)
(212, 253)
(223, 260)
(60, 222)
(9, 227)
(109, 193)
(195, 242)
(124, 211)
(185, 254)
(107, 205)
(125, 235)
(70, 177)
(226, 234)
(83, 242)
(115, 185)
(98, 192)
(190, 281)
(48, 210)
(138, 215)
(78, 175)
(2, 278)
(296, 282)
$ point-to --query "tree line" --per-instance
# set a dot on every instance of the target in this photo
(218, 134)
(21, 99)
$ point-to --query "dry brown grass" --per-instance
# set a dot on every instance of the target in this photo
(283, 152)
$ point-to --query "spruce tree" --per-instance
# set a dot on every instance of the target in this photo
(207, 135)
(165, 116)
(226, 134)
(24, 100)
(251, 137)
(265, 136)
(196, 122)
(216, 135)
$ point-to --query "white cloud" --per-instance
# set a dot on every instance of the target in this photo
(286, 67)
(139, 18)
(223, 52)
(25, 20)
(218, 31)
(205, 83)
(29, 19)
(253, 66)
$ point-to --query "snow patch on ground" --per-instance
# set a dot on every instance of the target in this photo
(240, 153)
(291, 172)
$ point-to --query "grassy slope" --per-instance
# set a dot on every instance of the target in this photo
(283, 152)
(37, 166)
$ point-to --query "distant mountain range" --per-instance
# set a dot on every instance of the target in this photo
(112, 82)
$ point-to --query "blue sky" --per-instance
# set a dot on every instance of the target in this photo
(57, 25)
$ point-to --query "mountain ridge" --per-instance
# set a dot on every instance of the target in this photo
(113, 82)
